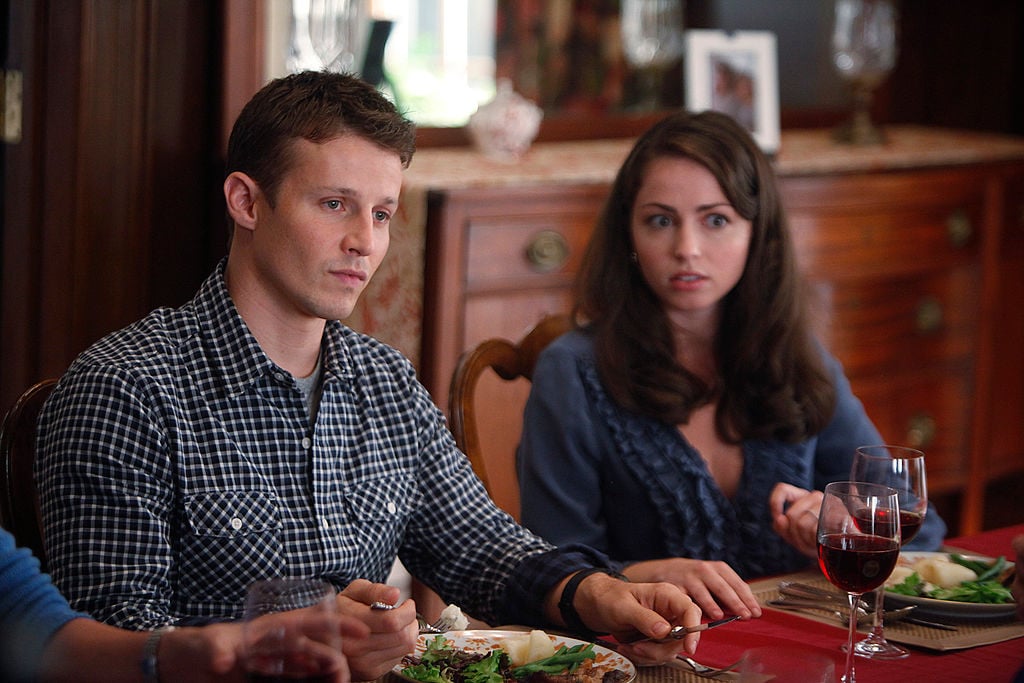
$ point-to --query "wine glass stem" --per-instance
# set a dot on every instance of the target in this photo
(877, 628)
(849, 676)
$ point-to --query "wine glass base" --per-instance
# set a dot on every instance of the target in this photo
(878, 648)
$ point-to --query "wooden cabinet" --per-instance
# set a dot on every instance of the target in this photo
(894, 259)
(914, 253)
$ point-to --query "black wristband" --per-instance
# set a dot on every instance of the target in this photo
(565, 603)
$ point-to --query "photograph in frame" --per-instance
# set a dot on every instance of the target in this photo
(736, 73)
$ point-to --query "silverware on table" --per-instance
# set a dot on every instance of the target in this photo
(792, 589)
(678, 632)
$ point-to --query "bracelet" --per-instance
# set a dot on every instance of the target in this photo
(565, 603)
(148, 664)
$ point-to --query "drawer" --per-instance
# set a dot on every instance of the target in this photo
(880, 326)
(878, 226)
(924, 410)
(523, 251)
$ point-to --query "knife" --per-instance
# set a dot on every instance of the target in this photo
(678, 632)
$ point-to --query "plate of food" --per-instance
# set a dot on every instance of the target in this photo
(950, 585)
(476, 656)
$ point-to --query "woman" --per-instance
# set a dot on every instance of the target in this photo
(693, 415)
(44, 640)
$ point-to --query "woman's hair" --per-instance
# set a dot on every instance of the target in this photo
(771, 381)
(317, 106)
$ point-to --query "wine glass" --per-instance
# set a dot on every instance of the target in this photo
(652, 39)
(279, 649)
(901, 468)
(858, 543)
(334, 32)
(864, 52)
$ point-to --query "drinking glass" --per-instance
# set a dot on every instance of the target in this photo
(282, 650)
(864, 51)
(652, 39)
(334, 27)
(901, 468)
(858, 544)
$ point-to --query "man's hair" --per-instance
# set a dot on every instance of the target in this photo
(317, 106)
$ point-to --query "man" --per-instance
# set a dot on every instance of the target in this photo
(250, 434)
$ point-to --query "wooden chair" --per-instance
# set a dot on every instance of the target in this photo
(485, 408)
(19, 502)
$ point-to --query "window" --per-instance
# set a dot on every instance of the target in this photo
(438, 62)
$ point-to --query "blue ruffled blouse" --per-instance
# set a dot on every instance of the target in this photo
(636, 489)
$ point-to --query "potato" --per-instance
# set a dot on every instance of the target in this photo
(898, 574)
(943, 572)
(528, 647)
(518, 648)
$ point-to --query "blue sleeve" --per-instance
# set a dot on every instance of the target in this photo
(851, 427)
(560, 452)
(31, 608)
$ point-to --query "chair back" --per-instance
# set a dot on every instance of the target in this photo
(19, 502)
(485, 405)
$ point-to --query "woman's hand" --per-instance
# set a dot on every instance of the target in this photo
(713, 585)
(795, 516)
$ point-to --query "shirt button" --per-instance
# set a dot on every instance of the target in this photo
(325, 523)
(279, 377)
(392, 508)
(236, 523)
(306, 442)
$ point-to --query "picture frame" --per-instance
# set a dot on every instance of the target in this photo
(735, 73)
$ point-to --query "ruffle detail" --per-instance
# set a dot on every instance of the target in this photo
(697, 520)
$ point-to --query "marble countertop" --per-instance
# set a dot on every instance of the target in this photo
(801, 152)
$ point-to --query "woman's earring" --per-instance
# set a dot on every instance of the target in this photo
(632, 257)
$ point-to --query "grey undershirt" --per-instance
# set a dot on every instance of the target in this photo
(310, 387)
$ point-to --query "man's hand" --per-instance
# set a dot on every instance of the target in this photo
(622, 608)
(795, 516)
(217, 652)
(392, 633)
(712, 585)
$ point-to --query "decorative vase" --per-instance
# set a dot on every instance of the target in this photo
(504, 128)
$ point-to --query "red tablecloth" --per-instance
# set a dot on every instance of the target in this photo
(998, 662)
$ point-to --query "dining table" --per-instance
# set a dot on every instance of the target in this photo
(980, 650)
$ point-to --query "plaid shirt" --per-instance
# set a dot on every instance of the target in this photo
(177, 465)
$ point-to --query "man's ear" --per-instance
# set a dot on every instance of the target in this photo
(240, 194)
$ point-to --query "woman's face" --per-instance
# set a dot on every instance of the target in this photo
(691, 244)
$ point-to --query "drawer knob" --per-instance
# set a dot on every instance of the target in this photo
(548, 251)
(920, 430)
(929, 315)
(958, 228)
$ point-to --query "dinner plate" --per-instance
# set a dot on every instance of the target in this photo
(947, 609)
(487, 640)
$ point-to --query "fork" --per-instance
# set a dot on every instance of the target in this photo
(442, 625)
(703, 670)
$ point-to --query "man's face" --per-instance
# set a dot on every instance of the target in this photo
(315, 251)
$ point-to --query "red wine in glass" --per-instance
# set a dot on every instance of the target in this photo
(857, 563)
(910, 523)
(858, 544)
(902, 468)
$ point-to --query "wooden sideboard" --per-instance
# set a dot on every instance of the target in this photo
(914, 252)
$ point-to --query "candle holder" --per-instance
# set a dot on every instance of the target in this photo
(864, 50)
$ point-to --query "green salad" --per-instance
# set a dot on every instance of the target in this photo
(440, 663)
(985, 588)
